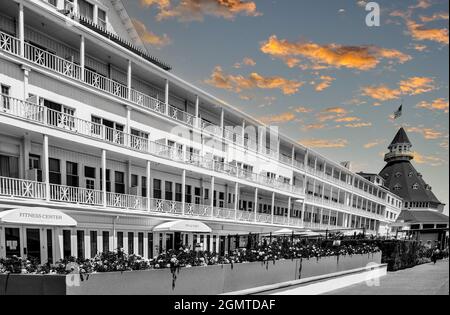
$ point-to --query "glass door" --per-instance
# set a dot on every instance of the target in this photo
(33, 243)
(12, 242)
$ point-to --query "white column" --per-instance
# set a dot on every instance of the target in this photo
(149, 170)
(243, 132)
(293, 156)
(129, 79)
(183, 191)
(82, 56)
(197, 111)
(95, 14)
(273, 206)
(222, 121)
(212, 194)
(289, 209)
(166, 97)
(26, 74)
(128, 127)
(256, 203)
(236, 200)
(21, 28)
(75, 7)
(104, 177)
(46, 169)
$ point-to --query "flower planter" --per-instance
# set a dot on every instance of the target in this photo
(209, 280)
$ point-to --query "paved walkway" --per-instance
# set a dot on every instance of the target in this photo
(426, 279)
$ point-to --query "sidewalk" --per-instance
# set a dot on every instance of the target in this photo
(426, 279)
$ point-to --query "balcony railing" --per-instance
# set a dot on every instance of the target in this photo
(9, 44)
(26, 189)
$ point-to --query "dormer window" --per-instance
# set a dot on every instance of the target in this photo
(398, 174)
(410, 174)
(397, 187)
(415, 186)
(101, 17)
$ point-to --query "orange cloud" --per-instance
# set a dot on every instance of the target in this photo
(254, 80)
(303, 110)
(331, 113)
(435, 17)
(276, 119)
(374, 143)
(195, 10)
(427, 133)
(331, 55)
(347, 119)
(359, 125)
(314, 126)
(420, 33)
(246, 62)
(325, 143)
(439, 104)
(410, 86)
(428, 159)
(148, 36)
(325, 84)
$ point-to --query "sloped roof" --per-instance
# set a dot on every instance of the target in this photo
(425, 216)
(400, 137)
(401, 177)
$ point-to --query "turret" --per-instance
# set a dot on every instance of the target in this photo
(400, 148)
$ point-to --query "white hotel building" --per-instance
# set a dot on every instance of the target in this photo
(100, 144)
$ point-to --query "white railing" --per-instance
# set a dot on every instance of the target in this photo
(223, 213)
(76, 195)
(281, 220)
(197, 210)
(181, 116)
(129, 202)
(211, 128)
(18, 188)
(19, 108)
(166, 206)
(246, 216)
(9, 44)
(148, 102)
(52, 62)
(105, 84)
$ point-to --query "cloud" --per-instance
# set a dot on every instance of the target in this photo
(428, 159)
(374, 143)
(331, 113)
(359, 125)
(410, 86)
(435, 17)
(348, 119)
(276, 119)
(325, 143)
(303, 110)
(331, 55)
(196, 10)
(314, 127)
(444, 144)
(427, 133)
(239, 83)
(245, 62)
(325, 84)
(419, 33)
(148, 37)
(421, 4)
(439, 104)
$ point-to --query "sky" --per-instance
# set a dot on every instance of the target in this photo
(315, 69)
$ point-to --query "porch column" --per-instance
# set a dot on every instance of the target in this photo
(59, 245)
(75, 7)
(21, 28)
(82, 56)
(197, 111)
(293, 156)
(236, 200)
(129, 77)
(303, 213)
(46, 169)
(289, 209)
(212, 194)
(166, 97)
(128, 126)
(222, 121)
(104, 177)
(243, 133)
(148, 181)
(256, 203)
(183, 191)
(273, 206)
(26, 76)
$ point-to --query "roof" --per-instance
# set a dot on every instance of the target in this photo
(425, 216)
(400, 137)
(402, 179)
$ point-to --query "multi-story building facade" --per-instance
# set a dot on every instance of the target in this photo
(94, 129)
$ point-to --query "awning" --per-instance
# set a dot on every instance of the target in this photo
(37, 216)
(283, 232)
(183, 226)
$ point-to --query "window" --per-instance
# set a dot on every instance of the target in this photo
(113, 131)
(54, 171)
(72, 174)
(108, 180)
(197, 192)
(53, 2)
(105, 239)
(415, 186)
(178, 192)
(150, 244)
(206, 193)
(139, 139)
(94, 247)
(89, 173)
(141, 244)
(188, 194)
(119, 240)
(5, 97)
(119, 181)
(9, 166)
(168, 189)
(130, 243)
(397, 187)
(157, 193)
(144, 187)
(34, 162)
(101, 16)
(67, 244)
(86, 9)
(398, 174)
(80, 244)
(134, 180)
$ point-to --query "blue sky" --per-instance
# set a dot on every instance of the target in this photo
(315, 69)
